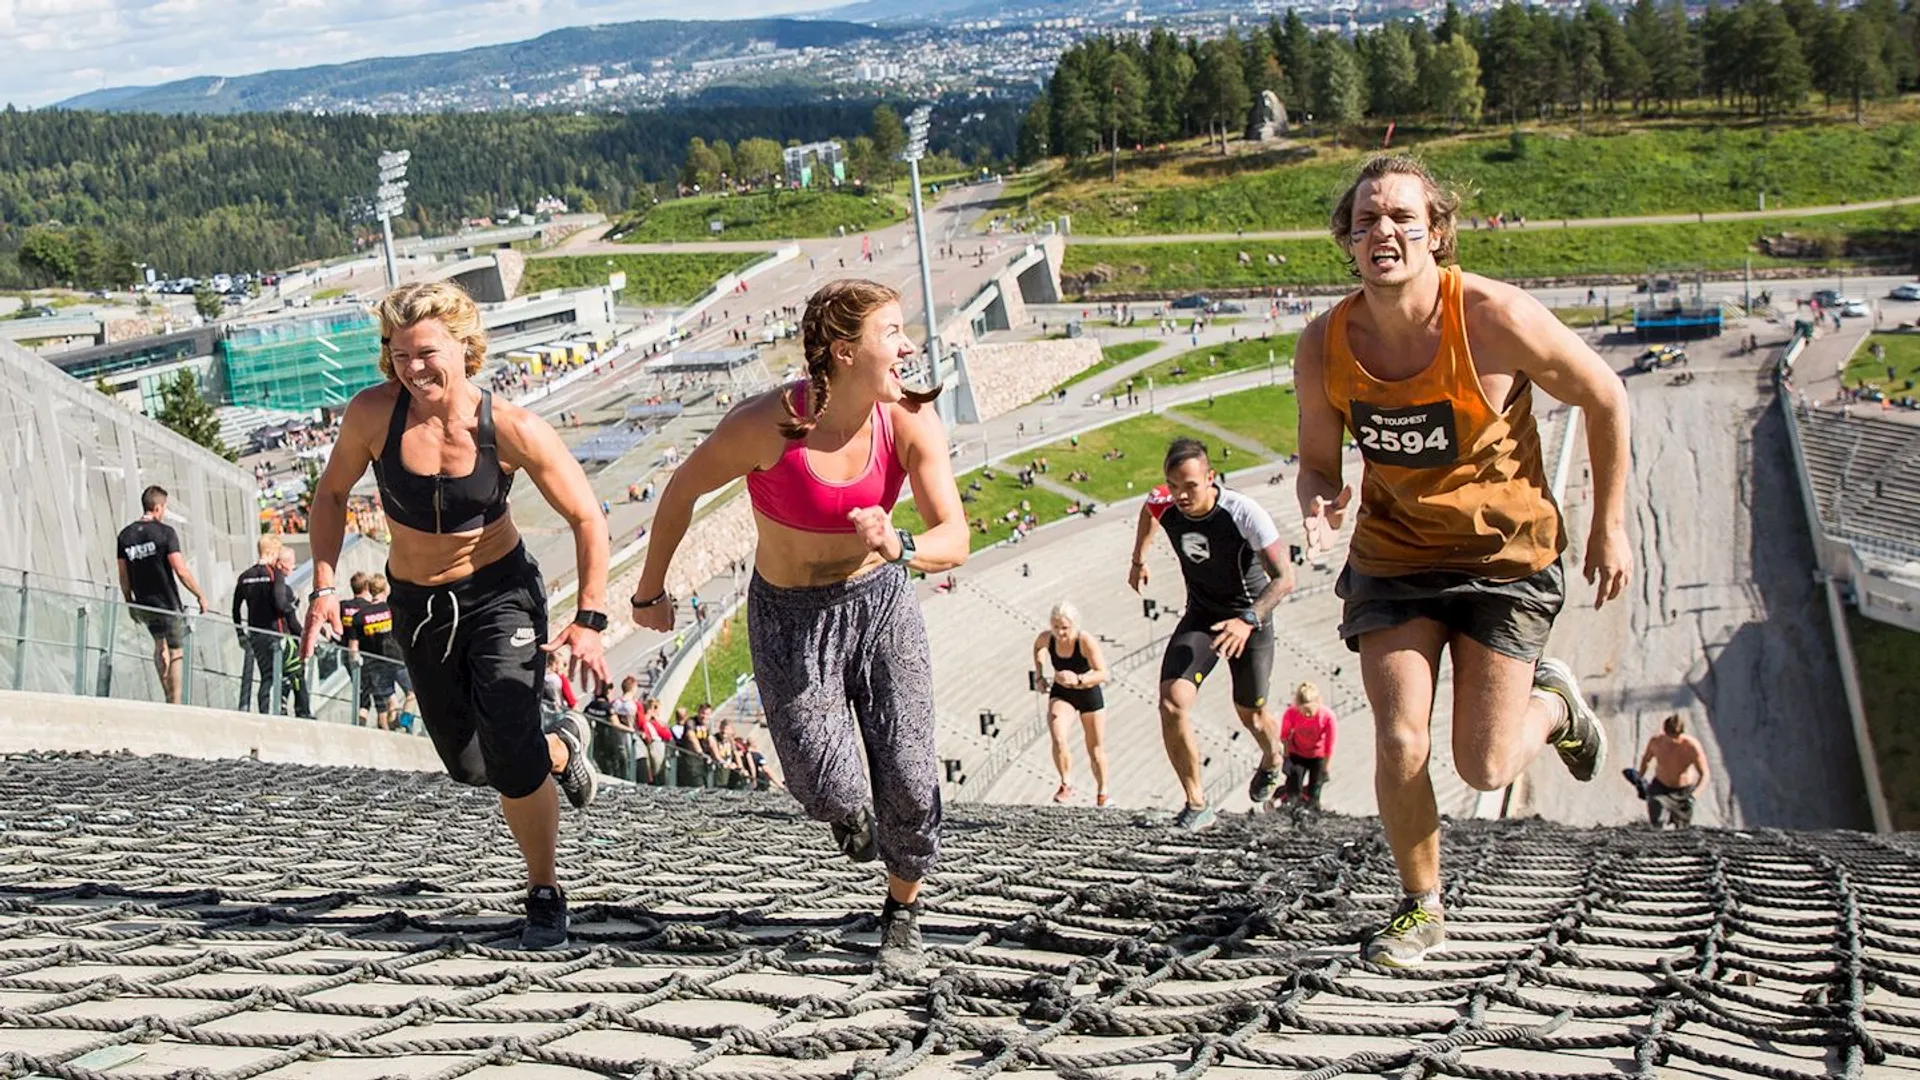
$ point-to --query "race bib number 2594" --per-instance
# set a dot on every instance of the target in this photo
(1413, 436)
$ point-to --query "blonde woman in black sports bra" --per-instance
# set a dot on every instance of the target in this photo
(469, 607)
(1073, 690)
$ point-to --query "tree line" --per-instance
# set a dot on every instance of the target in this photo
(203, 194)
(1759, 58)
(871, 158)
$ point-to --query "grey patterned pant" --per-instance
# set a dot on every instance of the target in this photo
(843, 670)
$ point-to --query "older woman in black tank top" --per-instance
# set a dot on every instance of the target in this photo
(469, 605)
(1074, 688)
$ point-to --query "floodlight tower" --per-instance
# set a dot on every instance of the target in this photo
(389, 199)
(917, 123)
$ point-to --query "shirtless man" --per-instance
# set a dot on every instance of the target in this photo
(1672, 768)
(1458, 543)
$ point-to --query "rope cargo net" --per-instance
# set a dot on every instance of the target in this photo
(236, 919)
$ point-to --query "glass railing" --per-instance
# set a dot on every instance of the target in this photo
(618, 751)
(89, 645)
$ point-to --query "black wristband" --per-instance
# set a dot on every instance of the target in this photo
(648, 603)
(592, 620)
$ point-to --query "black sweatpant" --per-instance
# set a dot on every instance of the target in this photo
(261, 654)
(473, 650)
(845, 673)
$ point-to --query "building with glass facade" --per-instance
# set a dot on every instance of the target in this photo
(312, 362)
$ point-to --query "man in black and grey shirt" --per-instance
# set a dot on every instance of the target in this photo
(1236, 572)
(152, 569)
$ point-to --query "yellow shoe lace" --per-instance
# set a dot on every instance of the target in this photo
(1405, 922)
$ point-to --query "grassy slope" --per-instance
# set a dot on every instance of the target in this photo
(651, 279)
(781, 216)
(727, 657)
(1559, 174)
(1903, 355)
(989, 504)
(1889, 659)
(1267, 415)
(1210, 360)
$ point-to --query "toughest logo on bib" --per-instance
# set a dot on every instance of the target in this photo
(1414, 436)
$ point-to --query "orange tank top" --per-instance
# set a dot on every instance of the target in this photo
(1451, 483)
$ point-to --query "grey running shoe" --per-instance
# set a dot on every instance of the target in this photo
(1193, 819)
(578, 779)
(901, 953)
(1414, 931)
(1265, 782)
(1582, 740)
(547, 921)
(855, 838)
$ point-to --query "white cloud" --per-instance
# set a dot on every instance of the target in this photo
(59, 48)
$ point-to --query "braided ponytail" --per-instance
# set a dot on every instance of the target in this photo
(836, 313)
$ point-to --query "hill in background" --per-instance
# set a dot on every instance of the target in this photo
(635, 44)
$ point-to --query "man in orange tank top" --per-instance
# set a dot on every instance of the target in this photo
(1457, 541)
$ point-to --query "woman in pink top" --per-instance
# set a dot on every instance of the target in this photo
(1306, 732)
(839, 649)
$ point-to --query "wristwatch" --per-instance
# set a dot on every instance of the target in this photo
(592, 620)
(1251, 618)
(906, 548)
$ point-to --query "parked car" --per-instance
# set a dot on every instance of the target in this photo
(1227, 307)
(1909, 291)
(1826, 297)
(1194, 301)
(1657, 285)
(1853, 308)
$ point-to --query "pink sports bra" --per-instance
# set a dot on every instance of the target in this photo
(791, 493)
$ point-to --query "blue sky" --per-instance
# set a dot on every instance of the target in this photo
(58, 48)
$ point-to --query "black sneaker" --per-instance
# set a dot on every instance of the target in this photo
(547, 921)
(578, 779)
(901, 953)
(1265, 782)
(855, 838)
(1581, 741)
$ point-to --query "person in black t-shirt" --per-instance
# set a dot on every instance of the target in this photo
(367, 622)
(151, 572)
(259, 613)
(350, 609)
(1236, 572)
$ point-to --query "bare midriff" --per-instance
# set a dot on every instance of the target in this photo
(424, 558)
(794, 558)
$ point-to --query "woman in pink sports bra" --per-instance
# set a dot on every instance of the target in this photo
(839, 649)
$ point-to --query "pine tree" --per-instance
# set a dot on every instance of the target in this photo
(1034, 132)
(1453, 81)
(185, 410)
(1339, 90)
(1392, 72)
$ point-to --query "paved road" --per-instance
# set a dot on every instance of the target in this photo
(1556, 223)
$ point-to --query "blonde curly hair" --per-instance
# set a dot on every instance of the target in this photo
(442, 300)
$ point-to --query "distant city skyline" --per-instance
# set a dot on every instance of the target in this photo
(62, 48)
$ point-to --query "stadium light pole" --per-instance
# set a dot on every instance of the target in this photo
(917, 123)
(388, 200)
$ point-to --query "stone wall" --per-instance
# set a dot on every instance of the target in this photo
(513, 267)
(1007, 375)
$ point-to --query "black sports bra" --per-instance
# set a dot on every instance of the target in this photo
(442, 504)
(1073, 661)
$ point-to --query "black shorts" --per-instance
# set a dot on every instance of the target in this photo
(161, 625)
(1190, 656)
(1084, 699)
(1512, 618)
(377, 678)
(473, 650)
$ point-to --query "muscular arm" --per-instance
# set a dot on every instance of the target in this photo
(1646, 757)
(1039, 659)
(126, 582)
(1279, 580)
(178, 563)
(1553, 356)
(1096, 661)
(535, 448)
(327, 520)
(930, 470)
(1142, 535)
(740, 443)
(1320, 423)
